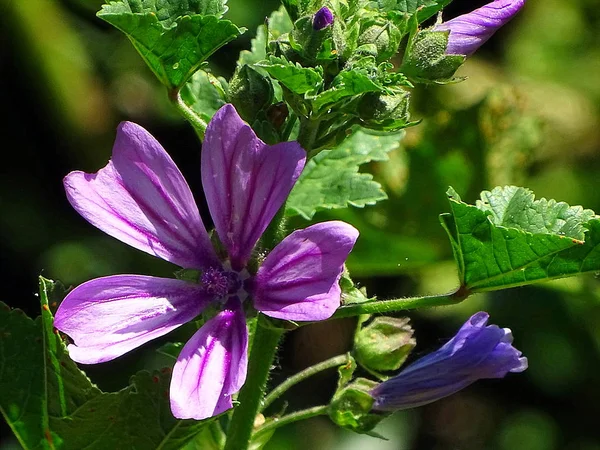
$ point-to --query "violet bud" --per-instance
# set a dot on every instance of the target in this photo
(477, 351)
(323, 18)
(469, 31)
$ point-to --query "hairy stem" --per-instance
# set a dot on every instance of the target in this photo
(264, 346)
(308, 133)
(400, 304)
(187, 112)
(291, 418)
(303, 375)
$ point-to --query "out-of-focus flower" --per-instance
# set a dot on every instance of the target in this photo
(142, 199)
(477, 351)
(469, 31)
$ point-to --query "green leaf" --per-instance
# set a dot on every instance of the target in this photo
(49, 403)
(331, 179)
(510, 239)
(175, 38)
(424, 8)
(430, 8)
(258, 48)
(300, 80)
(204, 94)
(345, 85)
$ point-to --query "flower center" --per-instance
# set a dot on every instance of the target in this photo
(221, 283)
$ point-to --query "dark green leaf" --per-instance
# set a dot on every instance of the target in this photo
(424, 8)
(49, 403)
(173, 40)
(510, 239)
(258, 49)
(331, 179)
(300, 80)
(346, 85)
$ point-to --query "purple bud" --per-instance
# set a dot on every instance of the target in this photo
(469, 31)
(477, 351)
(323, 18)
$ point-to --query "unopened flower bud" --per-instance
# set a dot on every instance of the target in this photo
(469, 31)
(322, 19)
(477, 351)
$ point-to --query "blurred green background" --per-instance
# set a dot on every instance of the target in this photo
(529, 114)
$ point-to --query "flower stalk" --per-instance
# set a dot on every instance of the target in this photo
(401, 304)
(301, 376)
(262, 353)
(297, 416)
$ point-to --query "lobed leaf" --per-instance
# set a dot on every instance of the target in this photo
(331, 179)
(424, 8)
(510, 239)
(300, 80)
(173, 37)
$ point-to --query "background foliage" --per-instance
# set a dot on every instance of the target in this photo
(527, 115)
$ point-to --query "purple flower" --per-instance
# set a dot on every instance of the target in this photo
(469, 31)
(476, 352)
(142, 199)
(323, 18)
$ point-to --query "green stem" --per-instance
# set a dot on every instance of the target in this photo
(400, 304)
(264, 346)
(303, 375)
(308, 133)
(291, 418)
(187, 112)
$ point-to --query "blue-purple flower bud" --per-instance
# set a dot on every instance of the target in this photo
(469, 31)
(477, 351)
(323, 18)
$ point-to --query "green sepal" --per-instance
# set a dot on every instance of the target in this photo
(385, 36)
(350, 293)
(351, 406)
(192, 275)
(426, 61)
(250, 92)
(384, 343)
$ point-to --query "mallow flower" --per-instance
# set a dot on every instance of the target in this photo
(141, 198)
(477, 351)
(470, 31)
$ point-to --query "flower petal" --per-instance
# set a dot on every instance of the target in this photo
(110, 316)
(299, 278)
(477, 351)
(245, 181)
(470, 31)
(211, 366)
(141, 198)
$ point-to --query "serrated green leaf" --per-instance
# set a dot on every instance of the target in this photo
(424, 8)
(515, 207)
(279, 23)
(509, 239)
(346, 84)
(49, 403)
(175, 38)
(258, 48)
(300, 80)
(331, 179)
